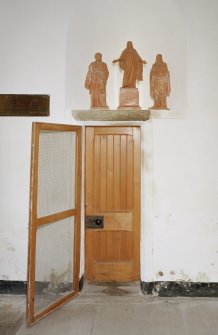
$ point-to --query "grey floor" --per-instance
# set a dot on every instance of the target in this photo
(115, 309)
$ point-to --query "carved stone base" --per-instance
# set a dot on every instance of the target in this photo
(129, 99)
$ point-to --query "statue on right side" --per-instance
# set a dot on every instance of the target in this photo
(160, 83)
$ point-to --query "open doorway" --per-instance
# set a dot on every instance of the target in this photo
(112, 200)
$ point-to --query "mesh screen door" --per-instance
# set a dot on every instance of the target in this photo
(54, 229)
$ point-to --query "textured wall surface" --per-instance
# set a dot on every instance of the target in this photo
(46, 48)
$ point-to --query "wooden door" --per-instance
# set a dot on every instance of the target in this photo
(112, 190)
(55, 219)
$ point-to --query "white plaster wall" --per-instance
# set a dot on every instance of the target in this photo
(32, 60)
(46, 47)
(185, 162)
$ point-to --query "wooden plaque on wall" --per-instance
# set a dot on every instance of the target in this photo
(24, 105)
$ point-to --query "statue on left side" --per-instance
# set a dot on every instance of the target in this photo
(96, 80)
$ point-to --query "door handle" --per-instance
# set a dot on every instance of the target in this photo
(98, 222)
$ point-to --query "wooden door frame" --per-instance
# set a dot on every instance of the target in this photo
(35, 221)
(137, 192)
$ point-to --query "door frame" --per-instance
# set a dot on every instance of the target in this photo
(138, 208)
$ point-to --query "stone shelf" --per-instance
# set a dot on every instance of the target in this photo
(111, 115)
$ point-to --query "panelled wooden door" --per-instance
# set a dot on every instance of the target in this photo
(112, 190)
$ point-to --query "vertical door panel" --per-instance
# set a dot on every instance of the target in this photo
(54, 228)
(117, 172)
(110, 173)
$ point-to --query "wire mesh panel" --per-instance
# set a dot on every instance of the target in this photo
(56, 172)
(54, 262)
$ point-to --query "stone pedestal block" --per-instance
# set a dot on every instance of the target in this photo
(129, 99)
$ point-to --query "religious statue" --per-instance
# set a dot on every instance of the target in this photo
(160, 83)
(96, 80)
(132, 65)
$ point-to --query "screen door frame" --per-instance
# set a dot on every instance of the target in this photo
(35, 222)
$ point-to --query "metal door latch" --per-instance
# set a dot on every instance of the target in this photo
(94, 222)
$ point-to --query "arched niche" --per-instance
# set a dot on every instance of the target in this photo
(153, 26)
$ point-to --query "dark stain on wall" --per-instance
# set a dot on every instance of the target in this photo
(13, 287)
(179, 289)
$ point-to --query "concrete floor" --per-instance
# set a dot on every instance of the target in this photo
(116, 310)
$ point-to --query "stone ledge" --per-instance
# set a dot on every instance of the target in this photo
(111, 115)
